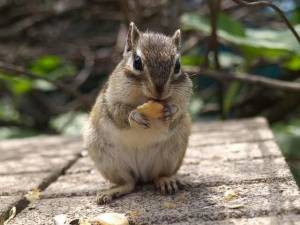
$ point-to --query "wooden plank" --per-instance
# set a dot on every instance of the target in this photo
(238, 155)
(6, 202)
(230, 125)
(289, 219)
(82, 178)
(194, 155)
(20, 183)
(32, 163)
(195, 206)
(225, 137)
(49, 146)
(234, 151)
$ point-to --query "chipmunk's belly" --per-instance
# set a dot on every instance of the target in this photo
(140, 137)
(140, 152)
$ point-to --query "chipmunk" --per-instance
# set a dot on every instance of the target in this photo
(126, 146)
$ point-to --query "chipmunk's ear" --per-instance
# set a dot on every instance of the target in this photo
(177, 39)
(132, 37)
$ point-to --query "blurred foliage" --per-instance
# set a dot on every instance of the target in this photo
(287, 134)
(71, 123)
(273, 46)
(9, 133)
(52, 67)
(49, 66)
(242, 47)
(18, 87)
(295, 18)
(267, 43)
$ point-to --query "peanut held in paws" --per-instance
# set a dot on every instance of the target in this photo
(151, 109)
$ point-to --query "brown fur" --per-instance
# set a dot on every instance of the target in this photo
(126, 146)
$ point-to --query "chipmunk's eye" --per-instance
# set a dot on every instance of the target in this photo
(137, 63)
(177, 66)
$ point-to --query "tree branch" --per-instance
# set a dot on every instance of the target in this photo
(12, 123)
(89, 62)
(275, 8)
(214, 7)
(249, 79)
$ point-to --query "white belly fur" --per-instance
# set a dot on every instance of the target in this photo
(136, 147)
(138, 138)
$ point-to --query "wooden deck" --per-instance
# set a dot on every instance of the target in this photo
(236, 156)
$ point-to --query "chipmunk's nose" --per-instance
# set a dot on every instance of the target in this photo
(159, 90)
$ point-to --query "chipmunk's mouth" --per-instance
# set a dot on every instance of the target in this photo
(162, 100)
(152, 95)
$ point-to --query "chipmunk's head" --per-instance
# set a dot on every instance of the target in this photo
(152, 60)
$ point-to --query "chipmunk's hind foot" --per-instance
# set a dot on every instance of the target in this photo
(168, 185)
(105, 197)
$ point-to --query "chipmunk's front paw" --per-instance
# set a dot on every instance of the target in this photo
(169, 112)
(136, 119)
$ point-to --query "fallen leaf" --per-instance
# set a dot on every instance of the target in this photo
(33, 195)
(237, 206)
(169, 205)
(230, 195)
(134, 214)
(84, 222)
(11, 215)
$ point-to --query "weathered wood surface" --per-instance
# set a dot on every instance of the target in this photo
(236, 155)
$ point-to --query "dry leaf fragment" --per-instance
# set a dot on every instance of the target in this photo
(134, 214)
(230, 195)
(181, 198)
(237, 206)
(151, 109)
(33, 195)
(12, 214)
(112, 219)
(169, 205)
(84, 222)
(60, 219)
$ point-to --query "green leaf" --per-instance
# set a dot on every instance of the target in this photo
(9, 133)
(226, 26)
(52, 66)
(7, 110)
(255, 41)
(287, 135)
(230, 96)
(195, 21)
(233, 27)
(18, 85)
(192, 60)
(253, 52)
(69, 123)
(46, 64)
(293, 63)
(296, 16)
